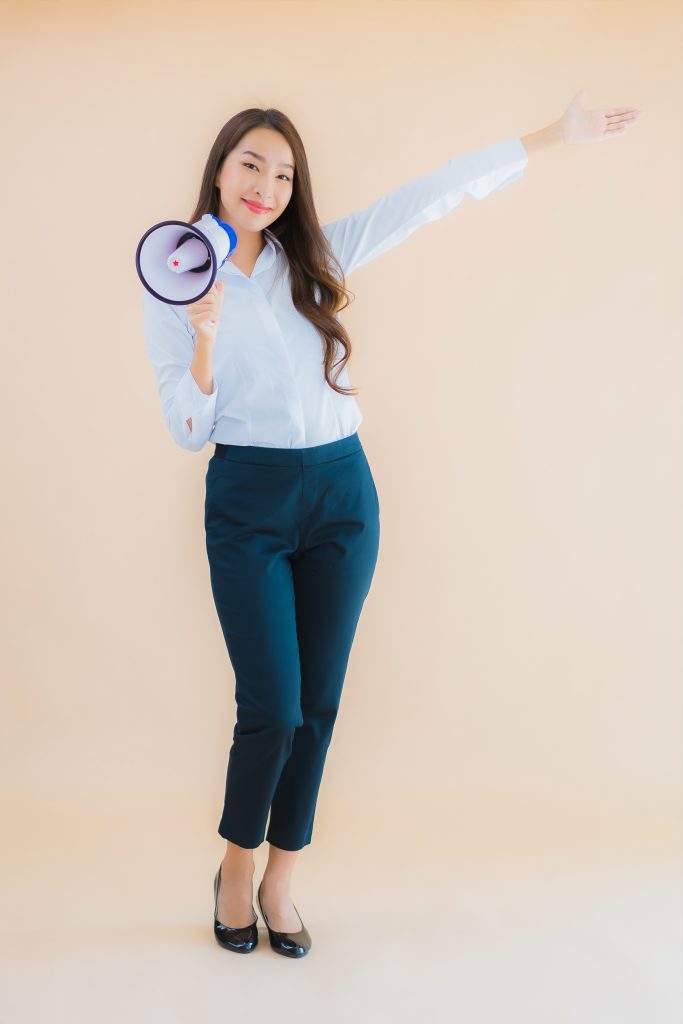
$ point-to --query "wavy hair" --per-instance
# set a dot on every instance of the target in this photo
(318, 285)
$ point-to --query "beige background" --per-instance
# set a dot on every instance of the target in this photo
(498, 832)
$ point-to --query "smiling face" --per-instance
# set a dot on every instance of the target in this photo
(264, 176)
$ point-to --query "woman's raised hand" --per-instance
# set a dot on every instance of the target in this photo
(597, 124)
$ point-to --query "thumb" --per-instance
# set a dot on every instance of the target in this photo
(219, 286)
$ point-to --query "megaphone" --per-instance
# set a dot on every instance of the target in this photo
(177, 262)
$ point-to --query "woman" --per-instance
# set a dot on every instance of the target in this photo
(291, 512)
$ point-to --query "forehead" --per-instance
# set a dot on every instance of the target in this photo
(270, 144)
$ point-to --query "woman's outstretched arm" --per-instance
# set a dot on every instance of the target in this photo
(367, 233)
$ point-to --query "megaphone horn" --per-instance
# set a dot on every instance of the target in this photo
(177, 262)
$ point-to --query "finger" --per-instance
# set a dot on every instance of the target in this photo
(622, 122)
(618, 113)
(625, 121)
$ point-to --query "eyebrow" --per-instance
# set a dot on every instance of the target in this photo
(259, 157)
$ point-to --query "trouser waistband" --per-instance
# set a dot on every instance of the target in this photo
(267, 456)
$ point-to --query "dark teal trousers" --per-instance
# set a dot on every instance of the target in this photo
(292, 537)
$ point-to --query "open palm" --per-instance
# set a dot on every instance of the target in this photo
(580, 125)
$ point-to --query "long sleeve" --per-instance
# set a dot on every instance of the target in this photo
(171, 350)
(365, 234)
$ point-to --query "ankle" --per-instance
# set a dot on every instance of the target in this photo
(237, 869)
(276, 881)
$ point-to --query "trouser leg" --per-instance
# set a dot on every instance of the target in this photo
(332, 577)
(248, 513)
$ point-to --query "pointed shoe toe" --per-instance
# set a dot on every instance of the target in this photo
(292, 944)
(239, 940)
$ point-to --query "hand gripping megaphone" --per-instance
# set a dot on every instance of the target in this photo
(177, 262)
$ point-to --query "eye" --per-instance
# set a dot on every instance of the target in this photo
(245, 164)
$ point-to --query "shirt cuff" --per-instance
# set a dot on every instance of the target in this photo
(192, 403)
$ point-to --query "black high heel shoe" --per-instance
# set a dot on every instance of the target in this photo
(294, 944)
(239, 940)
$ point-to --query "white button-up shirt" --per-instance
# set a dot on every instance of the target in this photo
(269, 382)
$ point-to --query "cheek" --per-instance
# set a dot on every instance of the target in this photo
(233, 182)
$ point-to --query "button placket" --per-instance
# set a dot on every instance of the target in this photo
(274, 333)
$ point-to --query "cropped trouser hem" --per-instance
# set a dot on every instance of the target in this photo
(286, 843)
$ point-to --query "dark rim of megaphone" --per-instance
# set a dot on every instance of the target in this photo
(211, 261)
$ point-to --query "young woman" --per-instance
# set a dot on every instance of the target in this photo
(292, 515)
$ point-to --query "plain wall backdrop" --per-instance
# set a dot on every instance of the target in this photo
(514, 689)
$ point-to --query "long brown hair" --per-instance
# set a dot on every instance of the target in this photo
(318, 285)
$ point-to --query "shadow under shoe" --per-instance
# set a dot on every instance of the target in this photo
(293, 944)
(239, 940)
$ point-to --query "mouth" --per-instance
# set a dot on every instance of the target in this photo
(255, 208)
